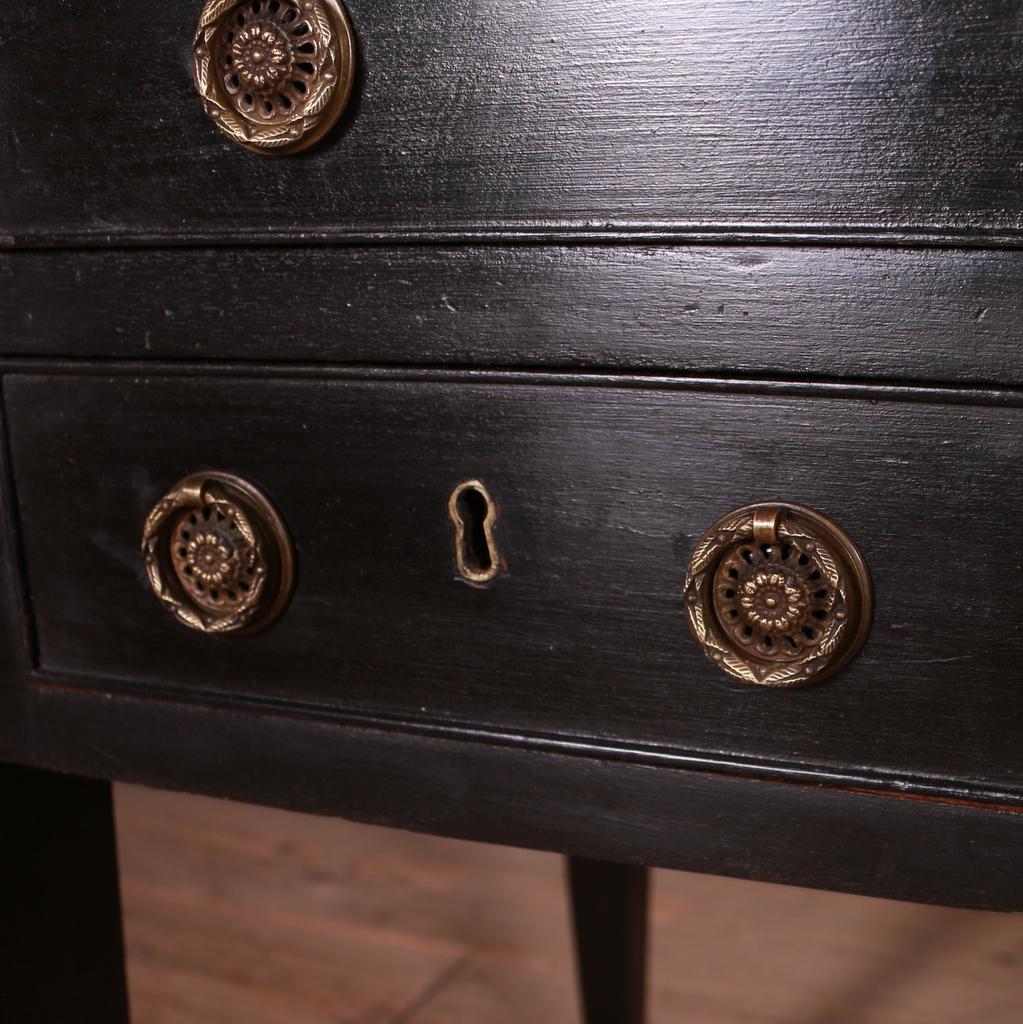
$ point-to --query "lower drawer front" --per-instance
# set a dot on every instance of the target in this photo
(602, 492)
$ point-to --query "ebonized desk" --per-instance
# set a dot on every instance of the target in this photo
(567, 385)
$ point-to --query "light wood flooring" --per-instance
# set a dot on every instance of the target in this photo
(241, 915)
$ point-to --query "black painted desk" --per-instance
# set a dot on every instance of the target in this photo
(566, 285)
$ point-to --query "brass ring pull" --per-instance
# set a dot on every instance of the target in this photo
(274, 75)
(218, 554)
(778, 595)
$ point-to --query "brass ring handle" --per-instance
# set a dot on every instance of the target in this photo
(274, 75)
(218, 554)
(778, 595)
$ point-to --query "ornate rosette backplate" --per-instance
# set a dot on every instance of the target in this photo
(218, 555)
(274, 75)
(777, 595)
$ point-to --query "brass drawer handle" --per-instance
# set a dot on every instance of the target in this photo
(218, 554)
(275, 75)
(778, 595)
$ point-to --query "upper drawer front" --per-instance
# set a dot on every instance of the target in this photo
(602, 494)
(503, 115)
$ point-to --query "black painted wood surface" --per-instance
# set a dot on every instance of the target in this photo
(569, 801)
(61, 951)
(17, 734)
(544, 162)
(927, 315)
(565, 115)
(602, 492)
(609, 917)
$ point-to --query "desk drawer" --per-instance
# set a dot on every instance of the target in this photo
(535, 117)
(602, 493)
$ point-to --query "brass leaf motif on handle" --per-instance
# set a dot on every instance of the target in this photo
(214, 10)
(827, 562)
(778, 614)
(202, 72)
(274, 77)
(213, 568)
(704, 553)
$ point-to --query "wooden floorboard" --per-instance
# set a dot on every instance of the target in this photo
(242, 915)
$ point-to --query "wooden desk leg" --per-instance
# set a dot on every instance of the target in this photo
(61, 950)
(609, 911)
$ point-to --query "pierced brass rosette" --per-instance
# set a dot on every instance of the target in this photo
(274, 75)
(218, 555)
(778, 595)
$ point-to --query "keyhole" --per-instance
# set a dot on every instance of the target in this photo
(474, 514)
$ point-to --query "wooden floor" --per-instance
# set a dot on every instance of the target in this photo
(239, 915)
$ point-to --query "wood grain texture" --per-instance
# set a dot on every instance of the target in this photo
(602, 492)
(512, 117)
(242, 915)
(236, 913)
(567, 802)
(926, 315)
(558, 707)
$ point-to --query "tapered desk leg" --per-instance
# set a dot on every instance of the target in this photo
(609, 911)
(61, 951)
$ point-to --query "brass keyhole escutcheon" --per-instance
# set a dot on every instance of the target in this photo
(274, 75)
(474, 516)
(778, 595)
(218, 554)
